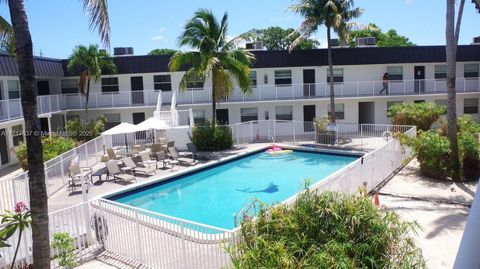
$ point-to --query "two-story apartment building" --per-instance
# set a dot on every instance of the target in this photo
(287, 86)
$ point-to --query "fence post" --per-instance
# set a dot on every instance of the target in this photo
(63, 170)
(14, 192)
(251, 132)
(361, 136)
(315, 135)
(293, 125)
(139, 238)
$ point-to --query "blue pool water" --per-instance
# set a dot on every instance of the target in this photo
(213, 196)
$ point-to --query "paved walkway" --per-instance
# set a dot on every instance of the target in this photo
(439, 207)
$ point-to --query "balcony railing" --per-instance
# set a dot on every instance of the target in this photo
(11, 109)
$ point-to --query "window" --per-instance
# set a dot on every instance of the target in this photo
(339, 111)
(110, 84)
(442, 102)
(284, 113)
(440, 71)
(253, 78)
(162, 83)
(112, 120)
(69, 86)
(470, 106)
(283, 77)
(248, 114)
(199, 116)
(392, 103)
(13, 89)
(471, 70)
(395, 72)
(17, 134)
(196, 85)
(337, 75)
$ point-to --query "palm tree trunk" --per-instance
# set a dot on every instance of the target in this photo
(330, 75)
(36, 173)
(451, 94)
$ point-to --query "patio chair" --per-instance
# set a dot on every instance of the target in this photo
(162, 157)
(112, 155)
(146, 160)
(155, 148)
(168, 145)
(182, 160)
(199, 154)
(77, 173)
(114, 170)
(136, 169)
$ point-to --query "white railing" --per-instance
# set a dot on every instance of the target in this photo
(11, 109)
(360, 136)
(78, 221)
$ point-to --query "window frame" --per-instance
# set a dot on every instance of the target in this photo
(199, 120)
(164, 86)
(253, 78)
(440, 74)
(15, 93)
(111, 87)
(69, 90)
(17, 135)
(110, 124)
(337, 76)
(471, 108)
(339, 113)
(474, 73)
(394, 76)
(284, 79)
(247, 118)
(283, 117)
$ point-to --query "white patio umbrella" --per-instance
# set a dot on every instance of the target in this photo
(122, 128)
(152, 123)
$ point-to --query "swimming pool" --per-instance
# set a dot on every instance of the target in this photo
(214, 195)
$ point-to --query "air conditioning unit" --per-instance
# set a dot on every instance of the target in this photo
(360, 41)
(476, 40)
(334, 42)
(249, 46)
(370, 41)
(258, 45)
(122, 51)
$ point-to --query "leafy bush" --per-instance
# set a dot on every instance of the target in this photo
(211, 137)
(84, 132)
(52, 147)
(422, 115)
(432, 153)
(63, 243)
(328, 230)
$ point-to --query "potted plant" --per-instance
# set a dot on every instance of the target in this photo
(325, 133)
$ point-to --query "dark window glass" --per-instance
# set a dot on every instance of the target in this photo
(162, 82)
(110, 84)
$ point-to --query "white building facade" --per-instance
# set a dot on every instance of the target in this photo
(287, 86)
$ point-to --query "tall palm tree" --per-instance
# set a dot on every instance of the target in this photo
(214, 56)
(336, 15)
(91, 62)
(97, 10)
(6, 36)
(452, 32)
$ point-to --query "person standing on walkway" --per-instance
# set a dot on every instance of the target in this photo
(385, 84)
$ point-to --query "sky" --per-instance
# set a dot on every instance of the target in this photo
(57, 26)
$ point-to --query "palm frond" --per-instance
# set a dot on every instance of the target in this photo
(98, 12)
(179, 59)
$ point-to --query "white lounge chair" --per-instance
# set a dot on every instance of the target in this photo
(136, 169)
(114, 170)
(182, 160)
(78, 173)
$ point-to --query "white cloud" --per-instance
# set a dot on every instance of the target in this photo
(162, 29)
(157, 37)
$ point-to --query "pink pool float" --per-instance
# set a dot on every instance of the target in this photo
(278, 150)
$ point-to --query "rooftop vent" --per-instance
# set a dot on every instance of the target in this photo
(249, 46)
(257, 45)
(365, 41)
(122, 51)
(334, 42)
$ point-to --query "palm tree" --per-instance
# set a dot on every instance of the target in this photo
(336, 15)
(92, 62)
(24, 54)
(452, 33)
(214, 56)
(6, 36)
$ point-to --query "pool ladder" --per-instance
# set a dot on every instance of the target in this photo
(247, 212)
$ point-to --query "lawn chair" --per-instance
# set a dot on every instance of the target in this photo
(77, 173)
(144, 170)
(112, 155)
(169, 144)
(146, 160)
(182, 160)
(114, 170)
(162, 157)
(199, 154)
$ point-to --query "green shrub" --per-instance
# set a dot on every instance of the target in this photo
(211, 137)
(328, 230)
(52, 147)
(422, 115)
(83, 132)
(63, 244)
(432, 153)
